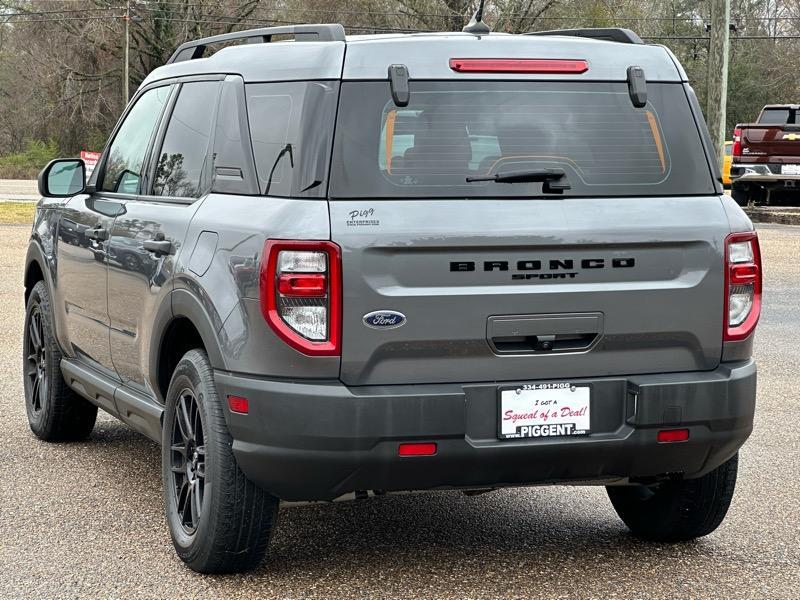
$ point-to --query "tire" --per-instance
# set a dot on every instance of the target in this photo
(677, 511)
(220, 522)
(740, 194)
(55, 412)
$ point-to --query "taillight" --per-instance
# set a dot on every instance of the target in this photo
(737, 142)
(301, 294)
(742, 285)
(519, 65)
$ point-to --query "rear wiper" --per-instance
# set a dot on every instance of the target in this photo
(555, 180)
(287, 149)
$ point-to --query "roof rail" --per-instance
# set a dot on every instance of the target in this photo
(302, 33)
(610, 34)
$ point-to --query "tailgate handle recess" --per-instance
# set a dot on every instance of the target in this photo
(544, 334)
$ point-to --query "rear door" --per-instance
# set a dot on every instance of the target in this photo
(621, 273)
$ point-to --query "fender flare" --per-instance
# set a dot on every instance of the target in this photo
(36, 255)
(181, 303)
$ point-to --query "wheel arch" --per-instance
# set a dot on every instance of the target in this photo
(35, 269)
(181, 325)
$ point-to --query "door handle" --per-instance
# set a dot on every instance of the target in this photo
(98, 233)
(529, 334)
(158, 247)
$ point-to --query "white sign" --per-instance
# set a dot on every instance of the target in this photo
(90, 158)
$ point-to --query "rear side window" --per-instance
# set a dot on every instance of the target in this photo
(776, 116)
(291, 126)
(454, 130)
(182, 160)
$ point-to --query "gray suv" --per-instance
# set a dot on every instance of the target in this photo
(335, 266)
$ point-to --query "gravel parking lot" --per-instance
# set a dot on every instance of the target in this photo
(85, 520)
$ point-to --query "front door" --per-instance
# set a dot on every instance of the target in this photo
(84, 229)
(150, 232)
(85, 239)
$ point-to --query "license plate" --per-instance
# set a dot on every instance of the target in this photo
(790, 169)
(544, 410)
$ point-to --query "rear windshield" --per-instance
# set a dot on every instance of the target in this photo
(454, 130)
(776, 116)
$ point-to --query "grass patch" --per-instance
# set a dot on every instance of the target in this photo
(17, 213)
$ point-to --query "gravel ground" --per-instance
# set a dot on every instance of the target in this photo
(85, 520)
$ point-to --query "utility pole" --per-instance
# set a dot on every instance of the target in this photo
(718, 52)
(126, 68)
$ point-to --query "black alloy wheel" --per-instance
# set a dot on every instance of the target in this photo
(188, 465)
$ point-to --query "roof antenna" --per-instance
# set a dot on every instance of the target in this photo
(476, 24)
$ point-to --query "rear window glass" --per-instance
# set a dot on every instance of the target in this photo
(454, 130)
(775, 116)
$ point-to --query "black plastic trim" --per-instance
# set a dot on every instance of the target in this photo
(609, 34)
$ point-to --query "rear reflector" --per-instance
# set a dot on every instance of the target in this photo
(417, 449)
(237, 404)
(672, 435)
(519, 65)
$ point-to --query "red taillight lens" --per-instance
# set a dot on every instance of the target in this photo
(417, 449)
(742, 285)
(309, 285)
(301, 294)
(737, 142)
(519, 65)
(666, 436)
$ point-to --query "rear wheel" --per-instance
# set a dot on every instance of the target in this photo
(740, 194)
(55, 412)
(677, 511)
(219, 520)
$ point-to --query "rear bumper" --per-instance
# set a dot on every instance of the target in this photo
(764, 175)
(317, 441)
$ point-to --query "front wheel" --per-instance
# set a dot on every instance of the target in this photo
(677, 511)
(55, 412)
(220, 522)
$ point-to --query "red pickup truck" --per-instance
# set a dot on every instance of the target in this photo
(766, 157)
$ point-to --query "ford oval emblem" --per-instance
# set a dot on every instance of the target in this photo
(384, 319)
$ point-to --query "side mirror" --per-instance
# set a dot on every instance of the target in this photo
(63, 178)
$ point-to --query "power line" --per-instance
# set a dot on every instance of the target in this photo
(56, 12)
(692, 19)
(215, 19)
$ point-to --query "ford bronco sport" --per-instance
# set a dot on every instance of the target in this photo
(336, 265)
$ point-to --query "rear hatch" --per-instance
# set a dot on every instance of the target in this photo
(620, 273)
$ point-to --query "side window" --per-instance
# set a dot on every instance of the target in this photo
(182, 159)
(272, 109)
(123, 169)
(291, 126)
